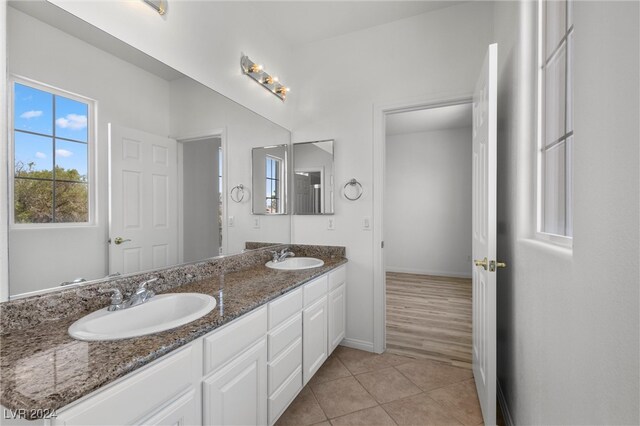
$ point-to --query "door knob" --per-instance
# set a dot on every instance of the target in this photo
(493, 265)
(120, 240)
(482, 263)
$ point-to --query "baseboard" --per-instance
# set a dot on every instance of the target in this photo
(427, 272)
(506, 414)
(357, 344)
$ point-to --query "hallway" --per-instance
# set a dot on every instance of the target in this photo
(429, 317)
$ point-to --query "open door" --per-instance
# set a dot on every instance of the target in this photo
(143, 172)
(484, 234)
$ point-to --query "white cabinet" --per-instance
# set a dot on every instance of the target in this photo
(237, 393)
(314, 337)
(244, 373)
(285, 352)
(337, 313)
(337, 301)
(144, 397)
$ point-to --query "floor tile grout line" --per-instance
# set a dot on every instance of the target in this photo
(326, 418)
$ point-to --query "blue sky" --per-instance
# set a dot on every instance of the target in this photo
(33, 112)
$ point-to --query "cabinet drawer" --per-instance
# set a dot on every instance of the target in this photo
(337, 277)
(284, 365)
(283, 307)
(284, 336)
(314, 290)
(223, 345)
(152, 387)
(281, 399)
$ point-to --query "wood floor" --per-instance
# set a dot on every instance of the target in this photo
(429, 317)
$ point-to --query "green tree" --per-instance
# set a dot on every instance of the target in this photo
(34, 195)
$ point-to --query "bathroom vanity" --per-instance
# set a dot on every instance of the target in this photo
(243, 363)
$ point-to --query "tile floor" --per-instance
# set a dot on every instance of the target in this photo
(360, 388)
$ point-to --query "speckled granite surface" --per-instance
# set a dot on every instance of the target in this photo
(42, 367)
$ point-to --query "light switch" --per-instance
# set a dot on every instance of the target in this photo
(231, 221)
(366, 223)
(256, 222)
(331, 225)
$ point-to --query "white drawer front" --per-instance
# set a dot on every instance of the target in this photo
(281, 368)
(281, 399)
(152, 387)
(283, 307)
(224, 344)
(314, 290)
(284, 336)
(337, 277)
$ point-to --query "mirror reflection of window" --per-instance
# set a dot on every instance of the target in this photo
(51, 141)
(273, 182)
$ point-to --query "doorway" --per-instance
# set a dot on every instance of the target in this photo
(202, 204)
(427, 233)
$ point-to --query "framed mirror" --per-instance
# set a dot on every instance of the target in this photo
(269, 169)
(133, 161)
(313, 183)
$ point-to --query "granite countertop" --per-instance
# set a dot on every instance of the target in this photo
(43, 368)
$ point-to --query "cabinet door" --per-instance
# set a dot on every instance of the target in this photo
(337, 313)
(181, 412)
(237, 393)
(314, 337)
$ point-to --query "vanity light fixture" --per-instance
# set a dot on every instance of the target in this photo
(158, 5)
(267, 81)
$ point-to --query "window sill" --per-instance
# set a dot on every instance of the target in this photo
(555, 240)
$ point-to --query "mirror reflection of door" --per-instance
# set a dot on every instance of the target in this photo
(313, 177)
(201, 236)
(144, 207)
(309, 191)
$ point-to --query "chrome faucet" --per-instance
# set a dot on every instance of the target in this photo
(282, 255)
(141, 295)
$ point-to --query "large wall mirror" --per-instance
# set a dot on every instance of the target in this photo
(313, 184)
(270, 179)
(118, 163)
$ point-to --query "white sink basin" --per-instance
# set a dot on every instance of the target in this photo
(160, 313)
(295, 263)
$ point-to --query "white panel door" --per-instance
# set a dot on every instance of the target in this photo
(314, 338)
(237, 393)
(484, 235)
(143, 172)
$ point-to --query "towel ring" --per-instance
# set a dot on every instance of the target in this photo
(358, 185)
(239, 193)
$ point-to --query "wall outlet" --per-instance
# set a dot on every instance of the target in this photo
(256, 222)
(331, 224)
(366, 223)
(231, 221)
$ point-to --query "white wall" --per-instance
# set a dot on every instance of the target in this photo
(204, 41)
(198, 112)
(420, 58)
(201, 199)
(427, 212)
(568, 320)
(125, 95)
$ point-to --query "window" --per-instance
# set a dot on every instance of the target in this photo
(51, 146)
(555, 119)
(274, 179)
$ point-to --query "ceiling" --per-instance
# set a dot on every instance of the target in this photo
(302, 22)
(427, 120)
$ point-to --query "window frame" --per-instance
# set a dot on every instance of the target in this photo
(541, 148)
(279, 182)
(92, 153)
